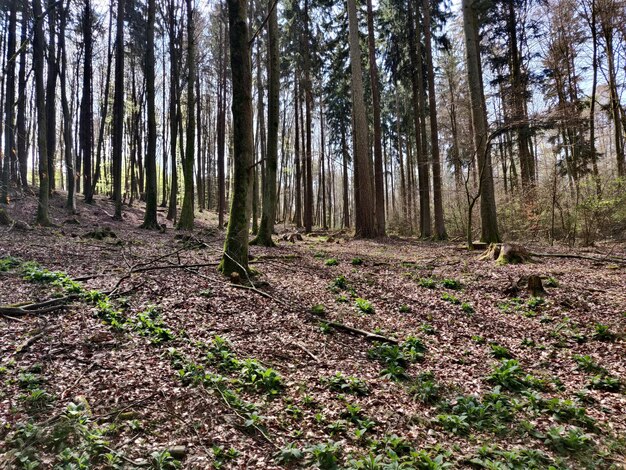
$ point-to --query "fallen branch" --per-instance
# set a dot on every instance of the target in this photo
(368, 335)
(612, 259)
(38, 308)
(303, 348)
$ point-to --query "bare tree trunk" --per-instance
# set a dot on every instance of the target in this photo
(479, 123)
(365, 221)
(118, 111)
(378, 151)
(51, 86)
(9, 104)
(150, 216)
(187, 211)
(266, 229)
(235, 257)
(67, 117)
(86, 114)
(40, 99)
(440, 227)
(22, 154)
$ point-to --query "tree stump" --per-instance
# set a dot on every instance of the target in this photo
(492, 252)
(4, 218)
(535, 286)
(512, 253)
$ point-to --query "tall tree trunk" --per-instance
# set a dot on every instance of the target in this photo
(51, 86)
(479, 124)
(308, 105)
(22, 154)
(346, 196)
(266, 229)
(86, 114)
(118, 111)
(379, 175)
(235, 257)
(67, 116)
(440, 227)
(418, 112)
(200, 161)
(173, 110)
(105, 106)
(150, 220)
(365, 221)
(518, 96)
(187, 211)
(40, 99)
(221, 133)
(594, 85)
(9, 104)
(298, 182)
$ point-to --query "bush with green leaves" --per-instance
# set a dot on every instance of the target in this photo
(318, 309)
(428, 283)
(289, 454)
(551, 282)
(223, 456)
(364, 305)
(493, 458)
(325, 456)
(467, 308)
(331, 262)
(149, 324)
(500, 352)
(425, 388)
(357, 261)
(491, 412)
(346, 384)
(509, 374)
(450, 298)
(606, 382)
(586, 363)
(396, 357)
(570, 440)
(451, 284)
(603, 333)
(9, 262)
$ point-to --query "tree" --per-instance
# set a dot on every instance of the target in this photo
(365, 221)
(235, 258)
(440, 227)
(150, 221)
(51, 87)
(266, 228)
(378, 150)
(9, 104)
(67, 114)
(22, 157)
(86, 114)
(186, 213)
(40, 100)
(118, 111)
(479, 123)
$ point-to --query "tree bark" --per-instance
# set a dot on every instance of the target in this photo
(118, 111)
(379, 175)
(9, 104)
(440, 227)
(479, 123)
(40, 99)
(86, 120)
(266, 229)
(150, 216)
(187, 211)
(235, 257)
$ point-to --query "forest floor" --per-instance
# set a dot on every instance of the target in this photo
(179, 367)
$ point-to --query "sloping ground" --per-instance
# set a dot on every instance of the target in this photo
(178, 364)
